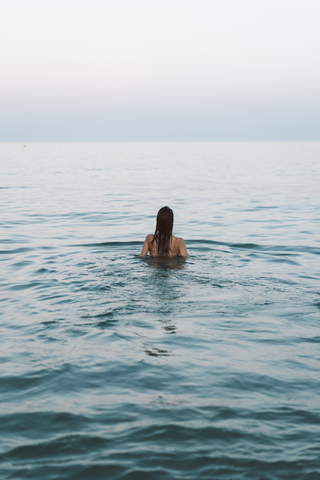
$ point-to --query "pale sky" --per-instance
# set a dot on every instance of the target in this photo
(171, 70)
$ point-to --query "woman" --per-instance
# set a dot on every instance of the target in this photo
(163, 243)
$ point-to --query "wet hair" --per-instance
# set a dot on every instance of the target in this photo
(163, 230)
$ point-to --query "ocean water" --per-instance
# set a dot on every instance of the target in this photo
(120, 367)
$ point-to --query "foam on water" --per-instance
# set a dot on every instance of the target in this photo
(121, 367)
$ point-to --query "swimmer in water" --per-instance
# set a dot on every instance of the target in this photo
(163, 243)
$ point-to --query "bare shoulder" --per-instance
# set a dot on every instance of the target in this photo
(180, 241)
(146, 245)
(149, 237)
(182, 247)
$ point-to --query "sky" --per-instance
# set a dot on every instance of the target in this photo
(169, 70)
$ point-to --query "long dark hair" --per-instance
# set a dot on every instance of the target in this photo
(163, 231)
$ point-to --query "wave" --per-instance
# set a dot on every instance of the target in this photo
(261, 248)
(198, 244)
(76, 446)
(283, 249)
(107, 244)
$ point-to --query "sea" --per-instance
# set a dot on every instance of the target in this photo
(119, 367)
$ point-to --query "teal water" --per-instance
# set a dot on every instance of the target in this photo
(120, 367)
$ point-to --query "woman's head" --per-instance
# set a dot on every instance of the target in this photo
(165, 220)
(164, 228)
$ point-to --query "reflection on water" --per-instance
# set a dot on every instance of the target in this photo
(168, 325)
(155, 351)
(166, 263)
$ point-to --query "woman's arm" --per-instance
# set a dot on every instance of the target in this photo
(183, 248)
(145, 247)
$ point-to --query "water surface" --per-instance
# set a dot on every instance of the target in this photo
(120, 367)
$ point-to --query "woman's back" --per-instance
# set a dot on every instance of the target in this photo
(163, 243)
(177, 247)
